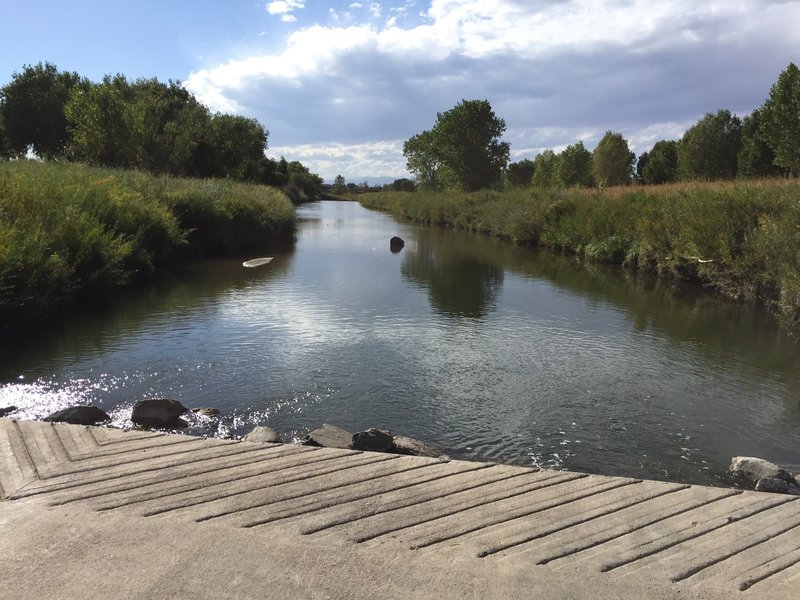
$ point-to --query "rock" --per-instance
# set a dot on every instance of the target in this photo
(373, 440)
(264, 435)
(206, 411)
(412, 447)
(749, 470)
(158, 412)
(772, 484)
(794, 490)
(329, 436)
(79, 415)
(7, 410)
(396, 244)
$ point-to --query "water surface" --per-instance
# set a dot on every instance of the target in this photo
(489, 350)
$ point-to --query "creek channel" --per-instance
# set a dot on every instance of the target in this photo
(489, 350)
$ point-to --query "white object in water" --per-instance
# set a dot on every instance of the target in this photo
(256, 262)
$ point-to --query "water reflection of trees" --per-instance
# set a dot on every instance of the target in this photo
(460, 283)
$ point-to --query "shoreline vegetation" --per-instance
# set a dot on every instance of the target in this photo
(738, 238)
(71, 233)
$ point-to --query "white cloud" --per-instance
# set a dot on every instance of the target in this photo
(382, 158)
(555, 71)
(285, 8)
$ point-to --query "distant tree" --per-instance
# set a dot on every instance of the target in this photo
(545, 166)
(755, 158)
(781, 120)
(5, 147)
(662, 163)
(575, 167)
(463, 149)
(519, 174)
(709, 149)
(338, 185)
(641, 164)
(32, 107)
(403, 185)
(352, 188)
(612, 160)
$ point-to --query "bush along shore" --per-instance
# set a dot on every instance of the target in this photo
(741, 238)
(70, 233)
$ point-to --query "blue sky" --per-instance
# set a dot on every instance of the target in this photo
(340, 84)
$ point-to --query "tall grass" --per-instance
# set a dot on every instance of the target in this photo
(69, 232)
(740, 238)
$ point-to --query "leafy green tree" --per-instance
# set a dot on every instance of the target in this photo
(5, 148)
(708, 150)
(641, 164)
(662, 163)
(519, 174)
(612, 160)
(101, 122)
(403, 185)
(755, 158)
(32, 107)
(239, 144)
(463, 149)
(575, 167)
(545, 167)
(423, 160)
(781, 120)
(339, 185)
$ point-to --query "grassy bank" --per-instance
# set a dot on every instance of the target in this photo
(742, 238)
(69, 233)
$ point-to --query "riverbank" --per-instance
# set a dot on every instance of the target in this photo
(70, 233)
(739, 238)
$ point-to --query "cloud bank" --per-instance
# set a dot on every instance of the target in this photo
(345, 93)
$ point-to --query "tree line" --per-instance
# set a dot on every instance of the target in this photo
(463, 150)
(143, 124)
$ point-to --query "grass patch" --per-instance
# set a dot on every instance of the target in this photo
(69, 233)
(739, 238)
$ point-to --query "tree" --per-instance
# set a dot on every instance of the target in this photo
(612, 160)
(755, 158)
(338, 185)
(575, 166)
(403, 185)
(519, 174)
(641, 164)
(462, 150)
(32, 107)
(239, 144)
(545, 166)
(662, 163)
(709, 149)
(781, 120)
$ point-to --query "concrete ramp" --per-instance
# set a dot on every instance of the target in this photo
(101, 513)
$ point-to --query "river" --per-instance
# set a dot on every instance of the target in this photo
(492, 351)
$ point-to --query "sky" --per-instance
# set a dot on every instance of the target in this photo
(340, 85)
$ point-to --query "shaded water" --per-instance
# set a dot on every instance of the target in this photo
(490, 350)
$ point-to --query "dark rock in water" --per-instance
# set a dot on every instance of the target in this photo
(749, 470)
(412, 447)
(329, 436)
(7, 410)
(206, 411)
(396, 244)
(373, 440)
(772, 484)
(158, 412)
(264, 435)
(79, 415)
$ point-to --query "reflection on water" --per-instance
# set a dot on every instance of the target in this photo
(491, 350)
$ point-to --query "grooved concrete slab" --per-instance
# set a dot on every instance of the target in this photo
(100, 513)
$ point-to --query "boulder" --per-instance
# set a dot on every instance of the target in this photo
(264, 435)
(748, 470)
(412, 447)
(79, 415)
(7, 410)
(206, 411)
(396, 243)
(373, 440)
(329, 436)
(772, 484)
(158, 412)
